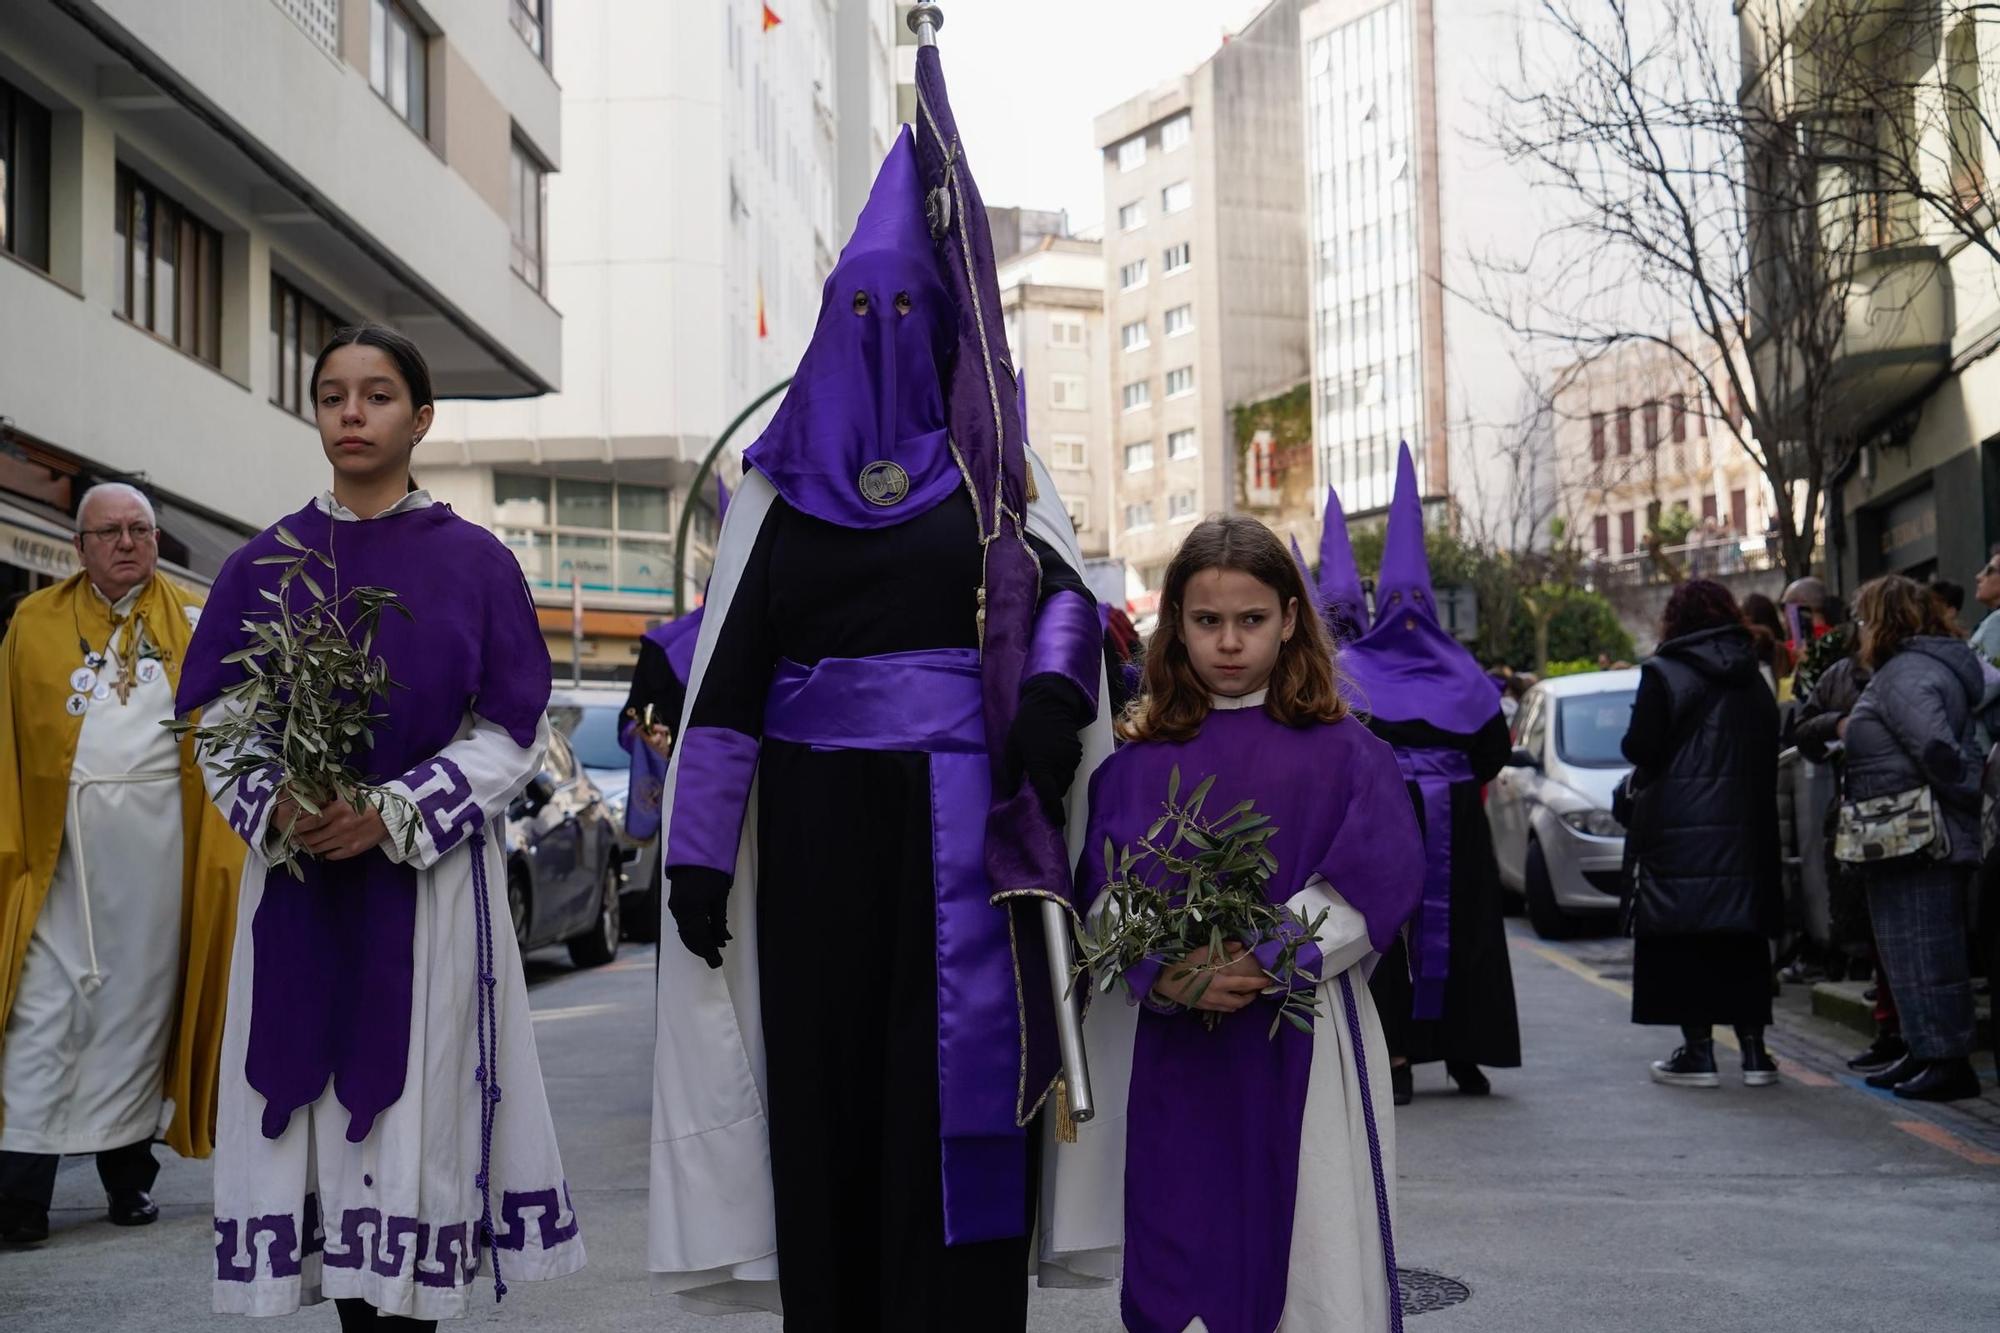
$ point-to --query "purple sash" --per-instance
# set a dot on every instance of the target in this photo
(929, 702)
(1433, 772)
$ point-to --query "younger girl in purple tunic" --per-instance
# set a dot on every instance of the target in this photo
(1260, 1169)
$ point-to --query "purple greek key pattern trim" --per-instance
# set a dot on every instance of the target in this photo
(441, 1256)
(445, 802)
(254, 791)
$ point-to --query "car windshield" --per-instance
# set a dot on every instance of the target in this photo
(1590, 726)
(593, 733)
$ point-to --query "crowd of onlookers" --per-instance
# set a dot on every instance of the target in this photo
(1903, 705)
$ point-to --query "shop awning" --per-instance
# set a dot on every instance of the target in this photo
(37, 539)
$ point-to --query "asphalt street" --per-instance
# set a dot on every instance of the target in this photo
(1578, 1197)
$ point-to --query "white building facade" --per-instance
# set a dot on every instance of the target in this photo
(714, 165)
(1052, 298)
(197, 191)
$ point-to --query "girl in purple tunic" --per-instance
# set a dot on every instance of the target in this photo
(1259, 1170)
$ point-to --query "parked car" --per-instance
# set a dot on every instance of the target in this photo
(563, 862)
(588, 716)
(1557, 842)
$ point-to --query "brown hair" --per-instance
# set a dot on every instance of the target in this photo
(1892, 611)
(1173, 701)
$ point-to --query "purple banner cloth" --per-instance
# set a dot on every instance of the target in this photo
(647, 776)
(929, 702)
(1433, 772)
(332, 963)
(717, 765)
(1068, 642)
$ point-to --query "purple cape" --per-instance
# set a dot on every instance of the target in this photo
(1407, 667)
(1228, 1105)
(332, 957)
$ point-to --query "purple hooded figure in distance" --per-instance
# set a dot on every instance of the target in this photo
(896, 676)
(1340, 600)
(1452, 997)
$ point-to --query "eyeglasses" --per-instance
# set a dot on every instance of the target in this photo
(140, 533)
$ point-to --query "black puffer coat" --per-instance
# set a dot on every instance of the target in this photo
(1702, 849)
(1913, 727)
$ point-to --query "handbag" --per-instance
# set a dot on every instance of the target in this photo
(1882, 828)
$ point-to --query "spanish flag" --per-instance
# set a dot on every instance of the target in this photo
(763, 328)
(771, 19)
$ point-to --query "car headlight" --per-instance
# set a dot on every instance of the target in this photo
(1596, 823)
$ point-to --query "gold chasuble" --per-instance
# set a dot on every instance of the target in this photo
(42, 712)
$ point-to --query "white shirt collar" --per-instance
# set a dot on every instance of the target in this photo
(123, 606)
(340, 513)
(1228, 703)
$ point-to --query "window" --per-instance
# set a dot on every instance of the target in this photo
(24, 178)
(169, 269)
(611, 537)
(1066, 392)
(1177, 198)
(1965, 116)
(1069, 453)
(1132, 153)
(1132, 275)
(528, 193)
(1597, 437)
(1138, 394)
(1133, 336)
(1078, 509)
(1177, 258)
(1132, 216)
(300, 326)
(1708, 508)
(1739, 513)
(1138, 516)
(1179, 320)
(1624, 432)
(1600, 534)
(398, 67)
(1628, 533)
(1065, 331)
(1181, 444)
(1180, 504)
(531, 20)
(1139, 457)
(1180, 382)
(1677, 417)
(1176, 132)
(1649, 417)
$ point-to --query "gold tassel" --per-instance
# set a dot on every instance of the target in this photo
(1065, 1125)
(1032, 491)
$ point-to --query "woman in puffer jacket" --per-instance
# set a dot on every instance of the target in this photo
(1914, 726)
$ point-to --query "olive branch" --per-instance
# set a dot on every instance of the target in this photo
(1192, 882)
(308, 702)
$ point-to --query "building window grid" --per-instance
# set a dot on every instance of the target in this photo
(1177, 198)
(1180, 505)
(398, 62)
(300, 326)
(1137, 395)
(528, 216)
(1133, 337)
(1139, 516)
(1069, 453)
(1182, 444)
(1178, 320)
(1177, 133)
(1132, 216)
(1132, 276)
(1066, 392)
(531, 19)
(1176, 258)
(1066, 331)
(1139, 457)
(168, 269)
(547, 520)
(24, 177)
(1180, 382)
(1132, 153)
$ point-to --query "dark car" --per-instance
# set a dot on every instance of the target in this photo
(564, 863)
(587, 716)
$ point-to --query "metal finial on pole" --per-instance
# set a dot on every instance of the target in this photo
(925, 20)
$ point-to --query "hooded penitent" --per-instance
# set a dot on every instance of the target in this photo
(1340, 598)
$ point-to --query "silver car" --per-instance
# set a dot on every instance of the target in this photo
(589, 716)
(1550, 809)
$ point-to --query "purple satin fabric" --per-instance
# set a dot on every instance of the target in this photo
(1433, 772)
(646, 781)
(717, 765)
(1068, 642)
(928, 702)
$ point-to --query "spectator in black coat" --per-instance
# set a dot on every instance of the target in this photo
(1701, 848)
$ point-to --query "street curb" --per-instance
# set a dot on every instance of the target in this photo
(1843, 1002)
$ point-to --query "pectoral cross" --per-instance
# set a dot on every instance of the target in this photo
(128, 680)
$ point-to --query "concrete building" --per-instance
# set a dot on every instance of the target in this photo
(1402, 200)
(1205, 263)
(196, 191)
(1052, 298)
(714, 171)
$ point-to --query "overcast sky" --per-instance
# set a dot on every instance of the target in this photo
(1027, 78)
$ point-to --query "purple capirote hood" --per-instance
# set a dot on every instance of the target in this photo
(1340, 597)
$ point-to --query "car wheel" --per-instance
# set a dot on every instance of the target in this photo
(518, 911)
(1549, 920)
(599, 944)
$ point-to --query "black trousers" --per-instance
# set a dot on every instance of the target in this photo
(358, 1316)
(30, 1177)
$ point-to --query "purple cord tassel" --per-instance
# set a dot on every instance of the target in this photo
(487, 1075)
(1374, 1156)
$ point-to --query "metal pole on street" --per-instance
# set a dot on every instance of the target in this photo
(694, 489)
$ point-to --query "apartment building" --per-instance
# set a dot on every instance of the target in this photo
(1052, 298)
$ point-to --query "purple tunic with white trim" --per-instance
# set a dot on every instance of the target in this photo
(1215, 1116)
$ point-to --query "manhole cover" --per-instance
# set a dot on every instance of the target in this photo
(1425, 1291)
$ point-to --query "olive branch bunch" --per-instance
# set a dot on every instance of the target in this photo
(308, 701)
(1195, 881)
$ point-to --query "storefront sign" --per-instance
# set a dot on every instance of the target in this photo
(38, 552)
(1909, 532)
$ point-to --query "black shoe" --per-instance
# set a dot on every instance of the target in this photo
(23, 1223)
(1691, 1066)
(1471, 1081)
(1941, 1081)
(1887, 1050)
(1759, 1069)
(1906, 1068)
(1403, 1084)
(133, 1208)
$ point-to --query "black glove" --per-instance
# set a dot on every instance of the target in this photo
(1044, 744)
(698, 898)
